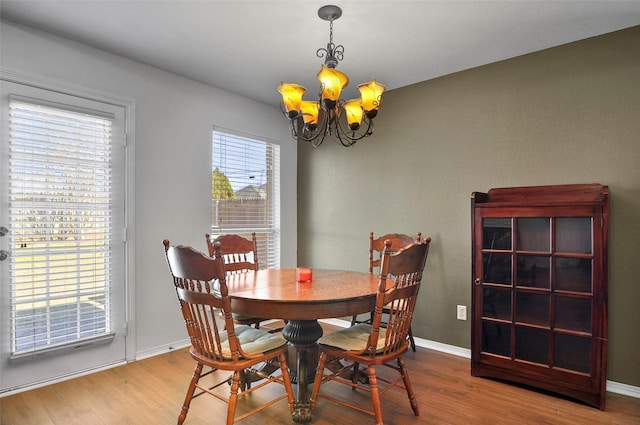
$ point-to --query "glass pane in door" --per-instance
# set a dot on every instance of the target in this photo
(573, 274)
(533, 234)
(572, 352)
(573, 234)
(496, 338)
(533, 271)
(573, 314)
(496, 303)
(532, 345)
(496, 233)
(496, 267)
(532, 308)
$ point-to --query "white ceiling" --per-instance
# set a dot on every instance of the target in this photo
(249, 47)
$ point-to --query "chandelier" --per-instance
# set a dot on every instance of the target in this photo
(348, 121)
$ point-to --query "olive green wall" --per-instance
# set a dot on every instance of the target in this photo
(565, 115)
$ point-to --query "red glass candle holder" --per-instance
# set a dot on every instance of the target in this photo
(304, 274)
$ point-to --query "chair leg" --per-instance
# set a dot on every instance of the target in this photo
(375, 394)
(287, 381)
(245, 380)
(409, 388)
(233, 397)
(192, 388)
(354, 375)
(411, 340)
(318, 380)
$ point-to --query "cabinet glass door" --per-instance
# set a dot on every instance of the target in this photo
(536, 290)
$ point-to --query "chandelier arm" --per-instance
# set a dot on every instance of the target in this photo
(311, 136)
(355, 134)
(347, 143)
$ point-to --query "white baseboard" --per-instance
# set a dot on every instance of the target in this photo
(162, 349)
(613, 387)
(624, 389)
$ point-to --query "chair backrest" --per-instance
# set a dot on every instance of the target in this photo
(404, 268)
(376, 246)
(201, 287)
(240, 254)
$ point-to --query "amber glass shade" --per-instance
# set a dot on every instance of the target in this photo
(371, 94)
(291, 97)
(353, 109)
(309, 110)
(333, 81)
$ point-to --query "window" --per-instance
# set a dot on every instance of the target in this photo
(245, 191)
(60, 213)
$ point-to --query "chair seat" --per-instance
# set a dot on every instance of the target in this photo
(253, 341)
(353, 338)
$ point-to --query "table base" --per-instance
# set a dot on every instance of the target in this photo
(302, 336)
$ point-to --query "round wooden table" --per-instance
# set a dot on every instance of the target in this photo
(275, 293)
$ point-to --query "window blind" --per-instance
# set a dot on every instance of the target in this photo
(246, 191)
(60, 214)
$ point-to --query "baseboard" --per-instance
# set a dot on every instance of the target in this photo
(612, 387)
(162, 349)
(624, 389)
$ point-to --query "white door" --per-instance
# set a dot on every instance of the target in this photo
(62, 247)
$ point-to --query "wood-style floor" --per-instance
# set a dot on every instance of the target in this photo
(151, 391)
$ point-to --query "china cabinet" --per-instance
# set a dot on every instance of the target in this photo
(539, 290)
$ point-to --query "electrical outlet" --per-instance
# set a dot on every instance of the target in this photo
(462, 312)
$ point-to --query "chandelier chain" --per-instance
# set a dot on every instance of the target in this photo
(331, 32)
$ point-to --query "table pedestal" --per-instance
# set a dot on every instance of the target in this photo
(302, 336)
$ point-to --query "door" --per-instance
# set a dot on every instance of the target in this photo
(62, 238)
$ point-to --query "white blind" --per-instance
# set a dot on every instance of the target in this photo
(60, 214)
(246, 191)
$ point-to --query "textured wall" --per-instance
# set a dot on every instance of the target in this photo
(570, 114)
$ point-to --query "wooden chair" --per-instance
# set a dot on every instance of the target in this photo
(376, 246)
(200, 283)
(240, 255)
(373, 344)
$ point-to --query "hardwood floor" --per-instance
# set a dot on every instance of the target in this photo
(151, 391)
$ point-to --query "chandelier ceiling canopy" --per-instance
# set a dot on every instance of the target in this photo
(313, 120)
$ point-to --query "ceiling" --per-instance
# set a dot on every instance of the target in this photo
(249, 47)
